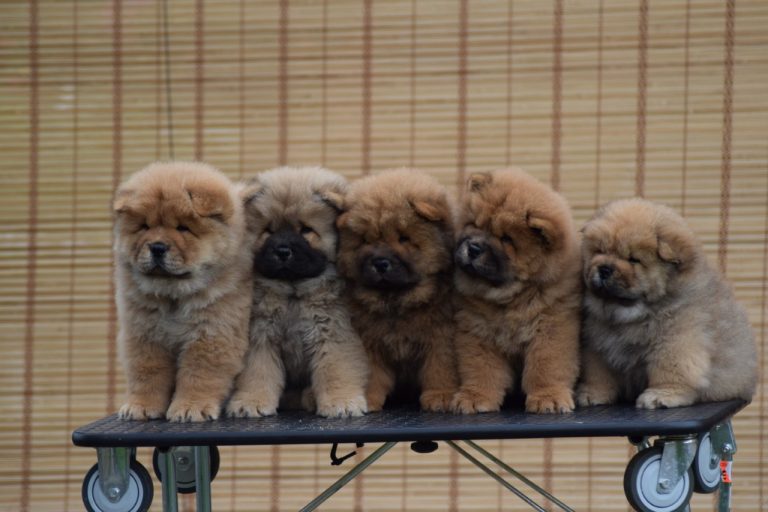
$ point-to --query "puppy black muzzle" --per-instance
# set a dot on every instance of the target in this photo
(288, 256)
(477, 258)
(384, 269)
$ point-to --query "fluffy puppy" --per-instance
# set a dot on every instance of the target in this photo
(660, 325)
(301, 338)
(395, 252)
(517, 276)
(183, 290)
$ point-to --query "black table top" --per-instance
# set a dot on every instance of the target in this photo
(293, 427)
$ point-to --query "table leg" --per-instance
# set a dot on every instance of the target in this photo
(724, 443)
(344, 480)
(203, 478)
(168, 470)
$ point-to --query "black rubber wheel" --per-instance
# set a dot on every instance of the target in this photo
(137, 497)
(185, 469)
(640, 480)
(706, 467)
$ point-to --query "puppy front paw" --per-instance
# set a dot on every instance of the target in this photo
(466, 401)
(587, 395)
(242, 406)
(188, 410)
(355, 406)
(656, 398)
(552, 400)
(437, 400)
(135, 409)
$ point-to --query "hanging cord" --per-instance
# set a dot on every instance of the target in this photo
(168, 100)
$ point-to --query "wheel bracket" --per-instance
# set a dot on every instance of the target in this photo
(113, 471)
(676, 458)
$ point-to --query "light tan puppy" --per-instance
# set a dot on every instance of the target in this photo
(301, 339)
(183, 290)
(518, 281)
(395, 251)
(660, 325)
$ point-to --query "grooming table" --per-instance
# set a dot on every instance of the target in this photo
(693, 449)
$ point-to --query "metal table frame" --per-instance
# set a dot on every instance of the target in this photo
(677, 431)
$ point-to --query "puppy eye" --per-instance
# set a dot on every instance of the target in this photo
(182, 228)
(403, 239)
(305, 230)
(143, 227)
(633, 260)
(268, 230)
(507, 240)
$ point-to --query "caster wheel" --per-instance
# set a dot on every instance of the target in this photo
(184, 458)
(640, 480)
(137, 497)
(706, 467)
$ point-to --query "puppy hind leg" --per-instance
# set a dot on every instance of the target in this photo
(677, 373)
(206, 371)
(380, 383)
(485, 374)
(439, 378)
(259, 386)
(550, 369)
(599, 385)
(150, 373)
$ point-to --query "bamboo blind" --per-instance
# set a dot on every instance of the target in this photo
(602, 99)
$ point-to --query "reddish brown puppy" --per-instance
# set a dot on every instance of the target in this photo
(395, 252)
(518, 287)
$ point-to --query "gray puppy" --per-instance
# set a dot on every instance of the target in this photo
(661, 326)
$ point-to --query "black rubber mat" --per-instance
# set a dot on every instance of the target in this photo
(407, 425)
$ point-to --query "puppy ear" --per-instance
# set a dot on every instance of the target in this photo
(434, 210)
(123, 200)
(210, 203)
(333, 197)
(249, 190)
(677, 249)
(545, 231)
(478, 180)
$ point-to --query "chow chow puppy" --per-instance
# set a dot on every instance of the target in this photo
(517, 275)
(301, 338)
(395, 252)
(660, 325)
(183, 290)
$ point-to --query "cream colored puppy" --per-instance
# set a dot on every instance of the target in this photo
(301, 339)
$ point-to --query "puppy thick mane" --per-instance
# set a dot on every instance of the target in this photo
(416, 206)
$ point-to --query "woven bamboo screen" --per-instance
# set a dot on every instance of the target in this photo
(666, 99)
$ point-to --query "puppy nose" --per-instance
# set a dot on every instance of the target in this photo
(382, 265)
(158, 249)
(605, 271)
(475, 249)
(283, 252)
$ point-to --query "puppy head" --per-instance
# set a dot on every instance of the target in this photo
(291, 215)
(515, 232)
(176, 225)
(395, 237)
(634, 252)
